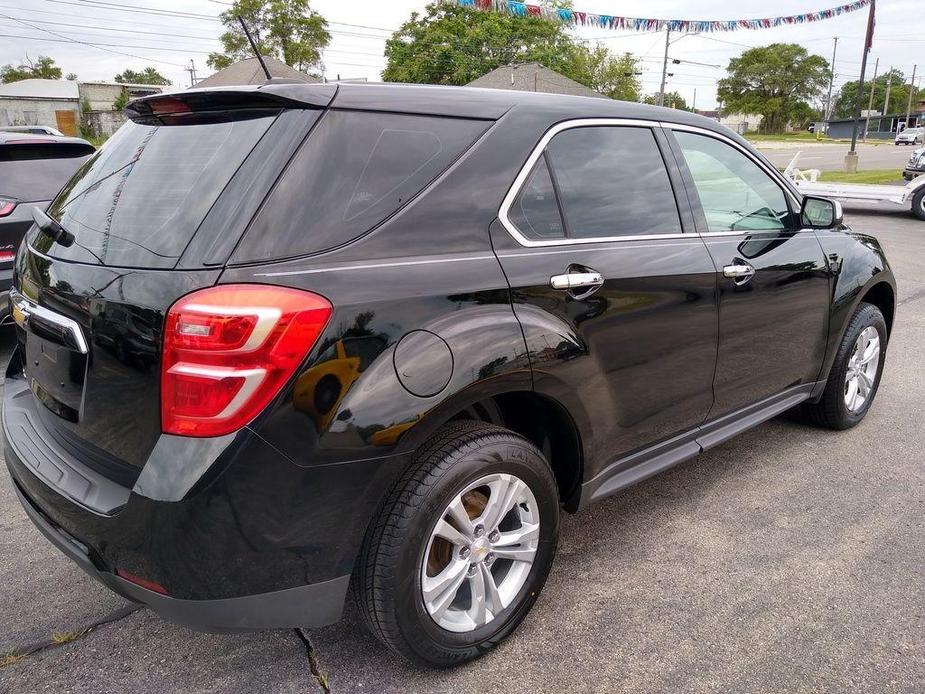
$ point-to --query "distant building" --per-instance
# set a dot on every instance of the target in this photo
(248, 71)
(65, 104)
(55, 103)
(532, 77)
(741, 122)
(882, 127)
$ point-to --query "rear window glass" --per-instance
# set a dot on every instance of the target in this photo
(139, 201)
(355, 170)
(36, 172)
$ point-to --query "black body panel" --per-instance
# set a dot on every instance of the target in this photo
(438, 313)
(110, 398)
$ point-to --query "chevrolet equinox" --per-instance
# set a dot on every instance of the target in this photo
(281, 343)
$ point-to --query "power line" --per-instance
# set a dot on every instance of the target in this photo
(119, 45)
(126, 31)
(87, 43)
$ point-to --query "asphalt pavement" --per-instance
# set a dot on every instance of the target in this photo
(787, 560)
(831, 157)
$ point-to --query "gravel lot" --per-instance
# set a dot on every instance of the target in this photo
(787, 560)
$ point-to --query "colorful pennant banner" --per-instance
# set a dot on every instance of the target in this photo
(606, 21)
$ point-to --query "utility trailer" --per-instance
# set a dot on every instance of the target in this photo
(911, 195)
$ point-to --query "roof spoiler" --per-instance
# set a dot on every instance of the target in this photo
(172, 108)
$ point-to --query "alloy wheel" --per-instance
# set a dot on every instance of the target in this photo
(480, 552)
(862, 369)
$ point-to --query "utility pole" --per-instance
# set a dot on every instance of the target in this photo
(828, 102)
(851, 159)
(870, 102)
(192, 73)
(889, 84)
(911, 92)
(661, 91)
(694, 102)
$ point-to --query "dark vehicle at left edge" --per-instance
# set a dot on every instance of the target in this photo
(33, 168)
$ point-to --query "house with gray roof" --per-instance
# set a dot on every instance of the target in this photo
(248, 71)
(532, 77)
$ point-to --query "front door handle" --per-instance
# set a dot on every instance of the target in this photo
(577, 280)
(739, 272)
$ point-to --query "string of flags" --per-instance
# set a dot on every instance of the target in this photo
(606, 21)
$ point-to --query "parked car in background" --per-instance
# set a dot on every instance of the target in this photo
(916, 165)
(31, 130)
(33, 169)
(910, 136)
(385, 334)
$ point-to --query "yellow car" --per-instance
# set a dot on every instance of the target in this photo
(321, 388)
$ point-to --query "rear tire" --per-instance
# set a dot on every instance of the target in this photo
(834, 410)
(405, 548)
(918, 204)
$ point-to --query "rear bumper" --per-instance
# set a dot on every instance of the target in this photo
(313, 605)
(909, 174)
(237, 535)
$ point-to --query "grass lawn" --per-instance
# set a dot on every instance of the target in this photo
(803, 136)
(872, 176)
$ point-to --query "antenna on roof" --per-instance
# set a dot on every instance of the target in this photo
(253, 44)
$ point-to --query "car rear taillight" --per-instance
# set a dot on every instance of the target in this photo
(6, 207)
(228, 350)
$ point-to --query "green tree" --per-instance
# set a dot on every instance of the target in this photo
(455, 45)
(71, 77)
(121, 101)
(285, 29)
(672, 100)
(43, 68)
(777, 81)
(610, 75)
(846, 101)
(149, 75)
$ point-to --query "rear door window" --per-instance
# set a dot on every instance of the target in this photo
(610, 182)
(139, 201)
(355, 170)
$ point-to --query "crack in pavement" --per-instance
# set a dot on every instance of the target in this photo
(319, 676)
(59, 639)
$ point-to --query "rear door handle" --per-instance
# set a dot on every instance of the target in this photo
(739, 272)
(577, 280)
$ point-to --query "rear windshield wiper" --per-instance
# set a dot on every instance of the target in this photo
(52, 229)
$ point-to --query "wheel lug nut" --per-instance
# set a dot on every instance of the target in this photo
(465, 552)
(472, 569)
(489, 558)
(495, 536)
(479, 530)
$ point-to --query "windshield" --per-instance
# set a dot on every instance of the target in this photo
(140, 199)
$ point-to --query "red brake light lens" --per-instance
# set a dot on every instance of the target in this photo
(6, 207)
(228, 350)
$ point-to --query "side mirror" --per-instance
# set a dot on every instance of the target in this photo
(820, 213)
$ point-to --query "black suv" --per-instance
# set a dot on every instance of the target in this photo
(274, 342)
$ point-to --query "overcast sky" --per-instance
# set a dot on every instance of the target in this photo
(359, 29)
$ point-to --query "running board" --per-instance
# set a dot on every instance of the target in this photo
(629, 470)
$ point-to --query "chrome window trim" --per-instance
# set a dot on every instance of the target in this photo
(537, 152)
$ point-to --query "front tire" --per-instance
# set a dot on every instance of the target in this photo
(462, 546)
(855, 376)
(918, 204)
